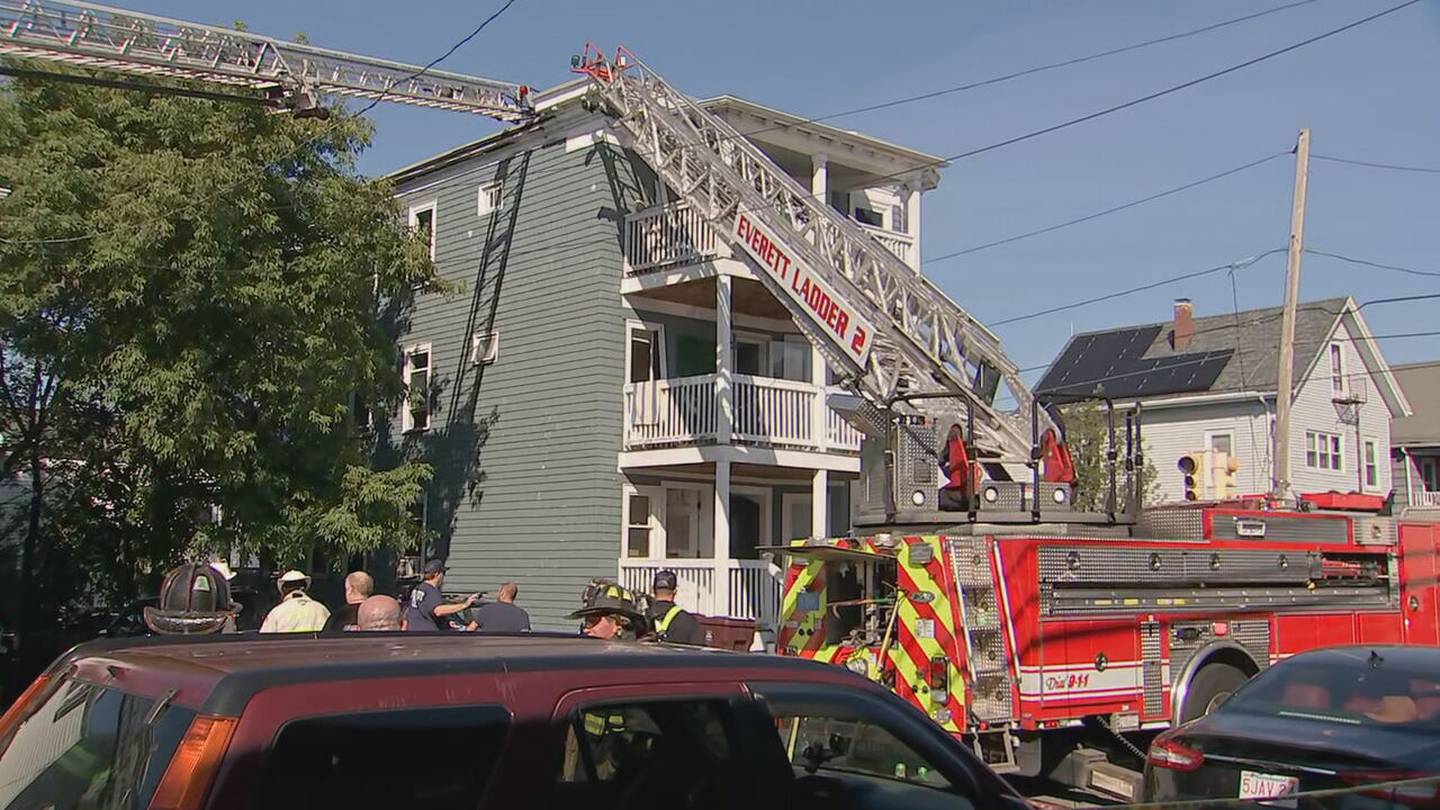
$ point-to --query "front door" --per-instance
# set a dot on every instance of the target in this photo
(1418, 570)
(746, 529)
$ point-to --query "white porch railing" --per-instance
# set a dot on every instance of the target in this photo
(1428, 499)
(770, 412)
(902, 245)
(661, 237)
(750, 590)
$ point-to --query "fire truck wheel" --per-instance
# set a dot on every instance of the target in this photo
(1213, 683)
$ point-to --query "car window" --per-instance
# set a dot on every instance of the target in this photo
(413, 759)
(817, 739)
(90, 747)
(624, 755)
(1366, 692)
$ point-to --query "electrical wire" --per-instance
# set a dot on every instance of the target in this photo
(960, 88)
(1370, 165)
(303, 144)
(1239, 265)
(1115, 209)
(1377, 265)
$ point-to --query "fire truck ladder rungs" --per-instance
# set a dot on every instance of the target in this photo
(926, 343)
(87, 35)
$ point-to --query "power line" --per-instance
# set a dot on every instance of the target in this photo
(1394, 167)
(1378, 265)
(960, 88)
(304, 144)
(1240, 265)
(1098, 214)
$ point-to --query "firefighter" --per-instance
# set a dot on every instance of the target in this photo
(672, 622)
(609, 612)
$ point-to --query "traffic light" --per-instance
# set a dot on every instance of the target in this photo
(1192, 470)
(1226, 466)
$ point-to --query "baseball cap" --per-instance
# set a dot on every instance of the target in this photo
(435, 567)
(665, 580)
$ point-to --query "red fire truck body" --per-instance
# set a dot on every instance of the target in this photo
(1004, 633)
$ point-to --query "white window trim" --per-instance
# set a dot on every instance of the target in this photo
(492, 352)
(1370, 458)
(706, 497)
(658, 347)
(1336, 357)
(767, 513)
(496, 188)
(406, 419)
(1335, 450)
(757, 339)
(788, 499)
(433, 207)
(657, 526)
(1210, 439)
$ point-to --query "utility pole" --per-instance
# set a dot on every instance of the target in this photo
(1284, 390)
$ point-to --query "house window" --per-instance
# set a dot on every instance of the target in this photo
(416, 409)
(865, 216)
(751, 355)
(1372, 475)
(485, 348)
(637, 526)
(490, 198)
(790, 359)
(1322, 450)
(897, 219)
(360, 415)
(644, 350)
(1430, 474)
(422, 219)
(1337, 368)
(1222, 443)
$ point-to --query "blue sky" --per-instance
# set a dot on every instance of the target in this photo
(1367, 94)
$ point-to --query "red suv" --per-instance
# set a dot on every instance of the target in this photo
(406, 721)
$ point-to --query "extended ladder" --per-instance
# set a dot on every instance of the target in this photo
(94, 36)
(896, 334)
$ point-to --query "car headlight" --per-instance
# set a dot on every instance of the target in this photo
(858, 665)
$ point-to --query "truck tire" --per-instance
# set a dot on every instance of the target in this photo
(1214, 681)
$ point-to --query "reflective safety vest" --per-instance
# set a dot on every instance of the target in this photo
(662, 624)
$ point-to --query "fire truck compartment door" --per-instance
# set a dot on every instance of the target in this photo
(1419, 570)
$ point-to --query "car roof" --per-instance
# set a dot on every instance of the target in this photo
(224, 671)
(1403, 655)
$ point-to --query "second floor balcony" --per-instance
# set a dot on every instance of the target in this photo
(676, 235)
(768, 412)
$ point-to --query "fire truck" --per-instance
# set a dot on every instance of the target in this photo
(1051, 639)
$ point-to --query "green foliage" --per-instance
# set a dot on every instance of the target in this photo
(188, 302)
(1087, 434)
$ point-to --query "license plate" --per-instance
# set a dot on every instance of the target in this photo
(1267, 786)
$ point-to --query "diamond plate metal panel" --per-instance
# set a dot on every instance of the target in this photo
(1254, 636)
(1171, 524)
(993, 698)
(1330, 529)
(1149, 567)
(1151, 668)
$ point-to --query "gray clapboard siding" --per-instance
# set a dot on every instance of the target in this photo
(525, 449)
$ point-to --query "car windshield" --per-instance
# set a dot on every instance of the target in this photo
(1366, 691)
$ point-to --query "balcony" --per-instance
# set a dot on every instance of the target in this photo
(676, 235)
(768, 412)
(743, 589)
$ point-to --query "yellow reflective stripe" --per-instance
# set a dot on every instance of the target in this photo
(663, 623)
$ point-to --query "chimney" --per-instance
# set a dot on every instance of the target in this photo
(1184, 328)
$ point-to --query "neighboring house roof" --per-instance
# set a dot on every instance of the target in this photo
(789, 120)
(1231, 353)
(1421, 383)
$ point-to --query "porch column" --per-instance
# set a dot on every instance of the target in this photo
(819, 504)
(721, 568)
(724, 384)
(820, 176)
(820, 413)
(911, 192)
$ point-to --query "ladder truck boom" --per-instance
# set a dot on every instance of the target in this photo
(88, 35)
(827, 270)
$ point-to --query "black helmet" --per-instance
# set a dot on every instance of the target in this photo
(603, 596)
(195, 598)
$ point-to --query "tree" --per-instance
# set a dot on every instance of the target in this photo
(188, 309)
(1087, 434)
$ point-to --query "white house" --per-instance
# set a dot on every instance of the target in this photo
(1209, 384)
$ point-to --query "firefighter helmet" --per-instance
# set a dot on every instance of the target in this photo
(602, 597)
(195, 598)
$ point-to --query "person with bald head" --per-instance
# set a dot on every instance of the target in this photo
(379, 612)
(358, 587)
(503, 616)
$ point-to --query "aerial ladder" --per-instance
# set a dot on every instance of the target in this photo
(905, 347)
